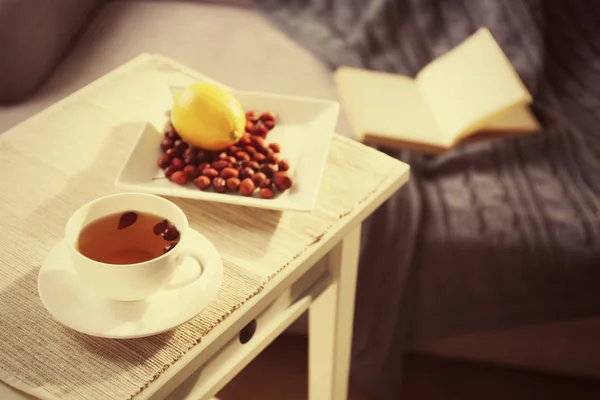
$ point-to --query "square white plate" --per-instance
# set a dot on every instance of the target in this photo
(304, 131)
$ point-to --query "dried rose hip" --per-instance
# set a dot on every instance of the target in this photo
(242, 156)
(172, 134)
(266, 184)
(231, 150)
(269, 124)
(268, 116)
(190, 172)
(250, 150)
(160, 227)
(211, 173)
(219, 165)
(272, 158)
(169, 171)
(127, 219)
(246, 173)
(179, 177)
(202, 182)
(259, 157)
(181, 145)
(245, 140)
(219, 184)
(252, 116)
(284, 165)
(191, 159)
(247, 187)
(258, 177)
(260, 130)
(166, 144)
(189, 152)
(266, 193)
(254, 165)
(275, 147)
(203, 155)
(173, 152)
(177, 163)
(203, 166)
(258, 143)
(233, 183)
(282, 181)
(163, 161)
(268, 169)
(229, 172)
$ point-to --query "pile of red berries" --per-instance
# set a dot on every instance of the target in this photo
(247, 167)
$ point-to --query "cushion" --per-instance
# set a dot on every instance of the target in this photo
(34, 35)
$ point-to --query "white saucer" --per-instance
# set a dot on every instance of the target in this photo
(75, 306)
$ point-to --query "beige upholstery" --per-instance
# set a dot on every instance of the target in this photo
(34, 36)
(233, 44)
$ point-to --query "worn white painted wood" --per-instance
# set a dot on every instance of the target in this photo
(69, 154)
(330, 324)
(234, 356)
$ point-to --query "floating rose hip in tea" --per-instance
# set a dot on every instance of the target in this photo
(160, 227)
(171, 233)
(127, 238)
(127, 219)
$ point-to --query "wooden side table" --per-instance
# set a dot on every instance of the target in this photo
(320, 278)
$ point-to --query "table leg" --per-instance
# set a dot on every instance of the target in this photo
(331, 317)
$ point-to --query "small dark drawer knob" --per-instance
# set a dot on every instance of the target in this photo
(247, 332)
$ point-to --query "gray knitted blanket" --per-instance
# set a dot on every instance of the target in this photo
(493, 234)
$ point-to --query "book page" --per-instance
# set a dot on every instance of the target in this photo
(470, 85)
(516, 122)
(388, 106)
(517, 118)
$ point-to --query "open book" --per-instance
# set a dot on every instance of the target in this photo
(470, 92)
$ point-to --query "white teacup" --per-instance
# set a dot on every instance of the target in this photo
(129, 282)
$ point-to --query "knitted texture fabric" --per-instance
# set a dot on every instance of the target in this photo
(489, 235)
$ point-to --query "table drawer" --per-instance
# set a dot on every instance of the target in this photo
(254, 338)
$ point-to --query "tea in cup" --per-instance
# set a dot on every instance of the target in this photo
(128, 246)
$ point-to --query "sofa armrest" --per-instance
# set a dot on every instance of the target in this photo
(34, 36)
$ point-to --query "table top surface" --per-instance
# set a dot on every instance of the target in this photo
(70, 154)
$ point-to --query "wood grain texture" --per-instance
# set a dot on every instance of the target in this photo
(69, 154)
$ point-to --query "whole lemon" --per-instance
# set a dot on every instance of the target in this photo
(207, 116)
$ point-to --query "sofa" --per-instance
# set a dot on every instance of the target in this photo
(51, 49)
